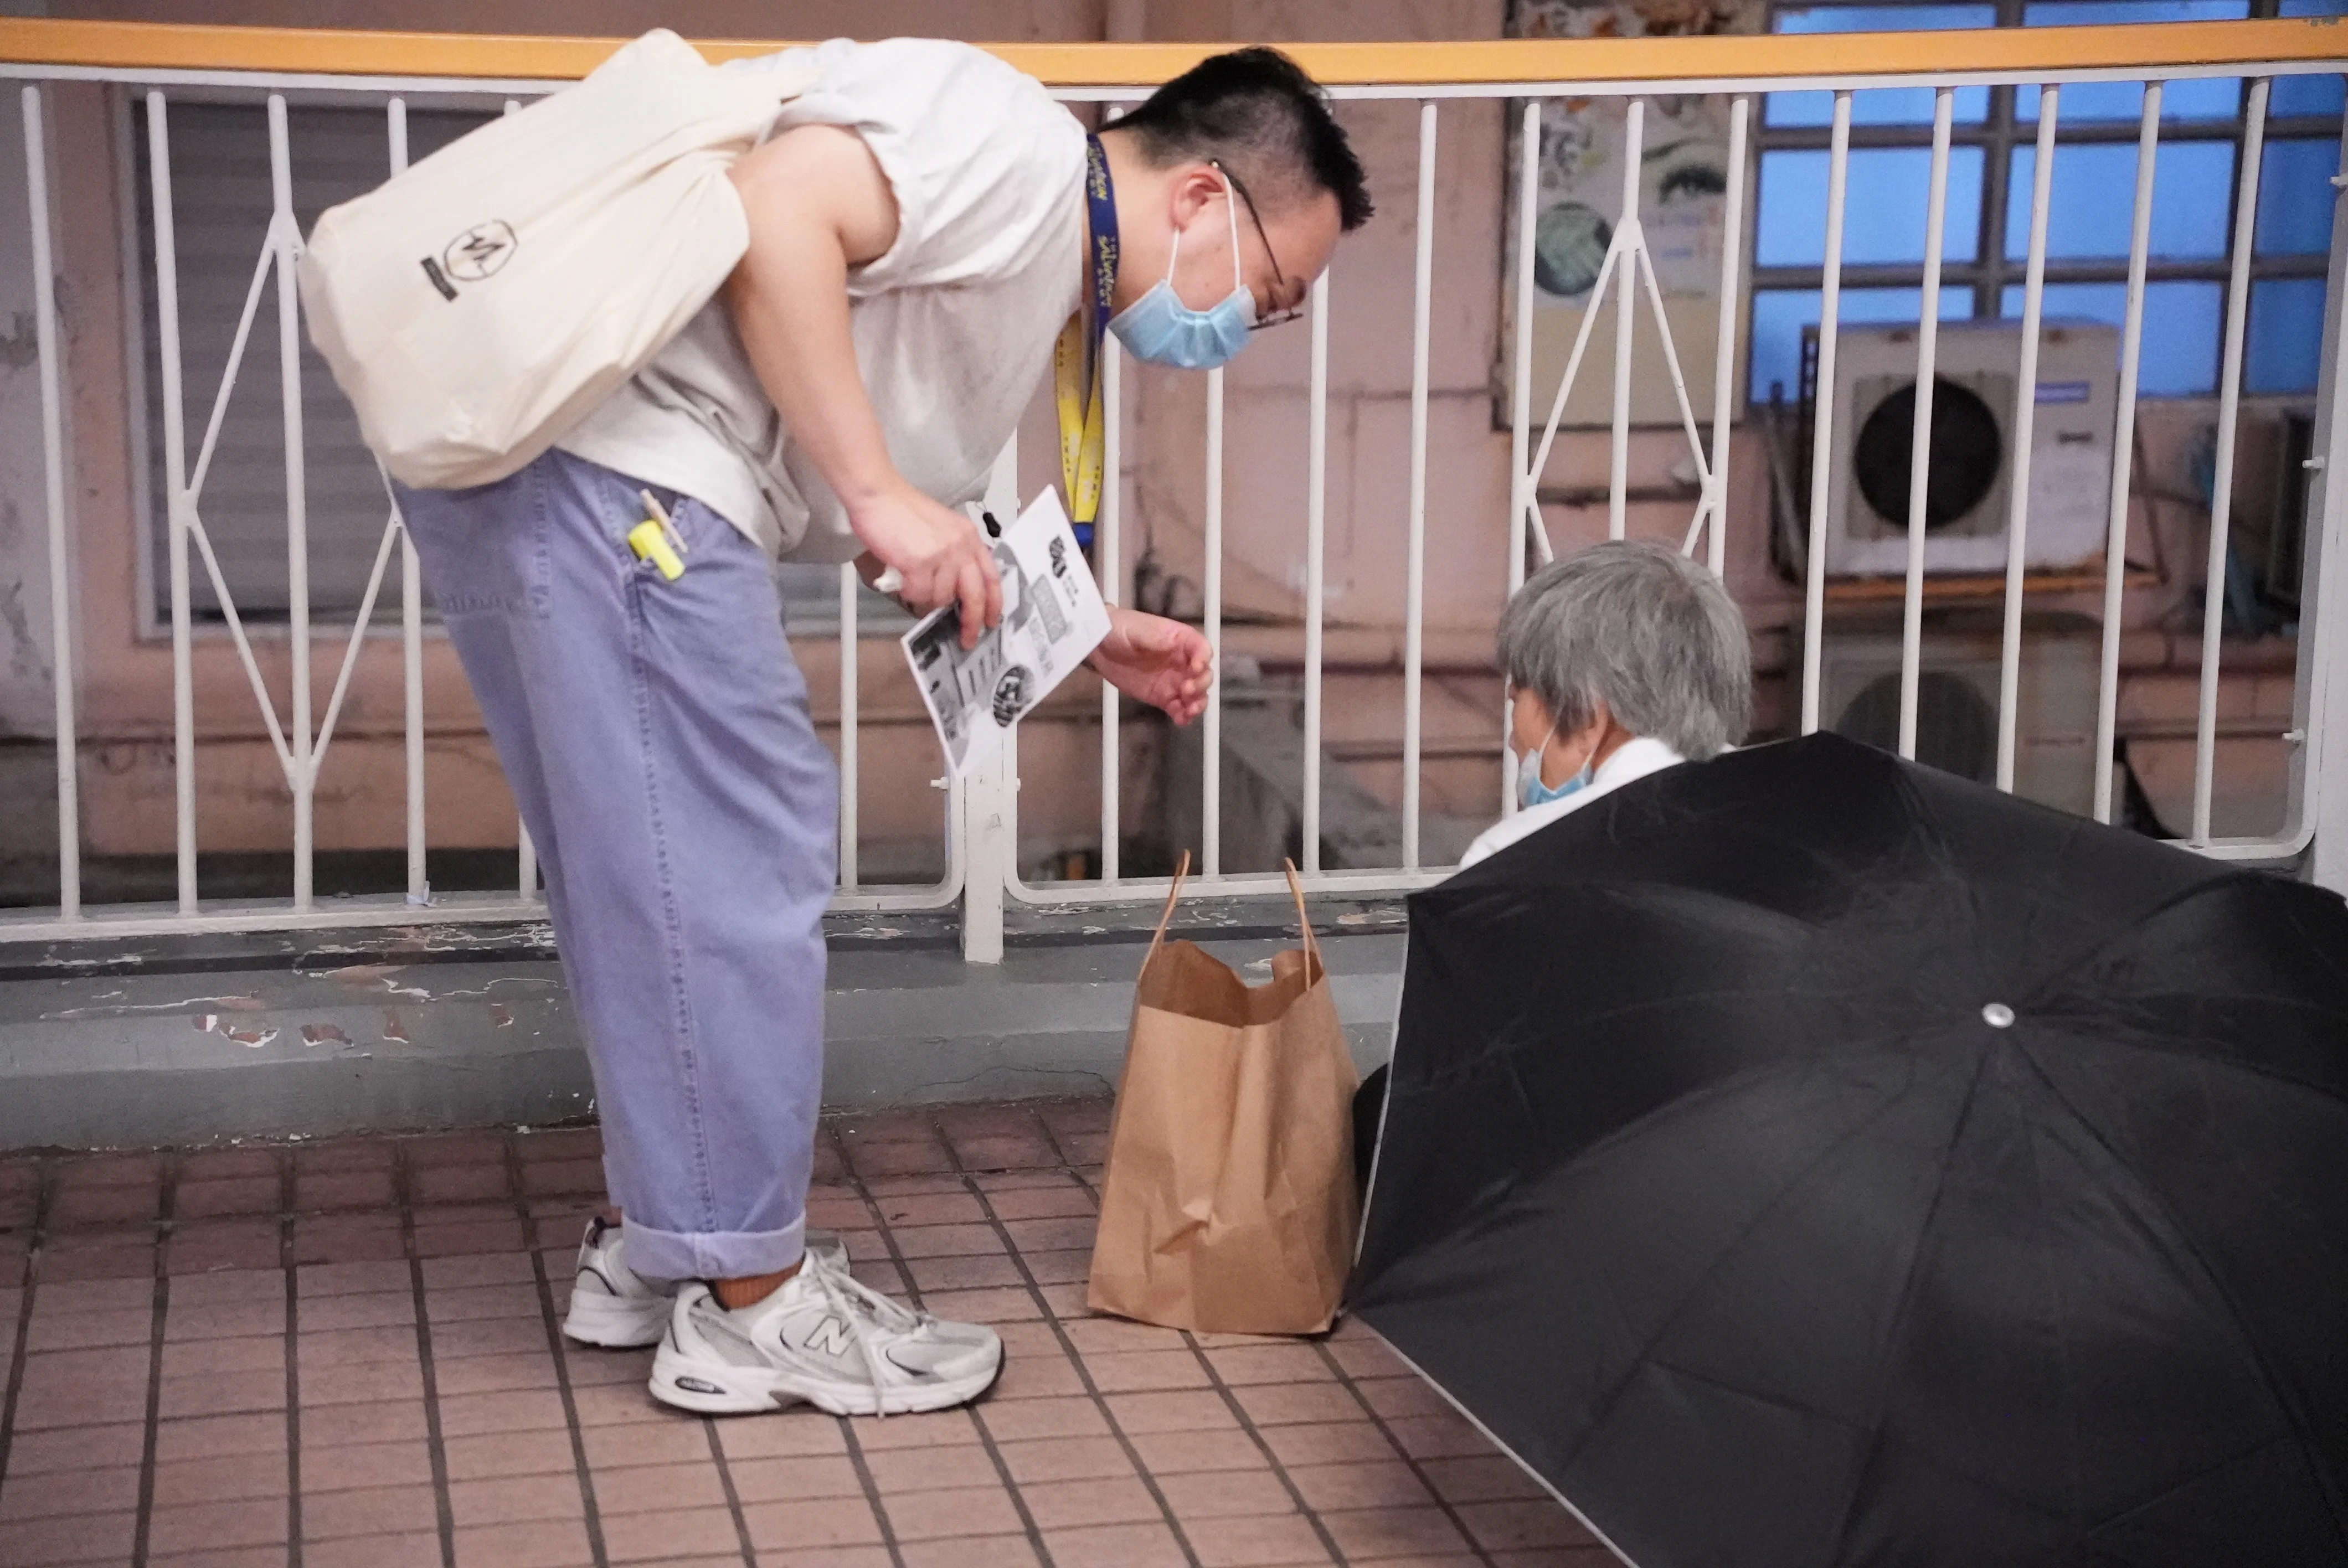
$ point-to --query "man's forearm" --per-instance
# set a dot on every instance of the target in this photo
(789, 299)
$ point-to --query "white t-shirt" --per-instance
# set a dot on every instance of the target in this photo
(953, 325)
(1633, 759)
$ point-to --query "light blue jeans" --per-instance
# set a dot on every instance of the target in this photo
(657, 739)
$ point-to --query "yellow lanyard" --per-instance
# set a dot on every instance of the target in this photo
(1075, 373)
(1076, 357)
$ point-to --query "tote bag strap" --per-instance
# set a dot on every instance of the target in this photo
(1312, 945)
(1181, 871)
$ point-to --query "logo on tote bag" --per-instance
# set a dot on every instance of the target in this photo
(478, 251)
(471, 256)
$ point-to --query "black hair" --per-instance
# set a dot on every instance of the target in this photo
(1257, 113)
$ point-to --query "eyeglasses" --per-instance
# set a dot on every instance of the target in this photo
(1280, 279)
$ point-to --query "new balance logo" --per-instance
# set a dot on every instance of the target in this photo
(830, 1337)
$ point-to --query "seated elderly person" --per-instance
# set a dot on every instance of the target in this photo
(1621, 659)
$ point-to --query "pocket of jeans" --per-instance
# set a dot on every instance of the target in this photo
(473, 545)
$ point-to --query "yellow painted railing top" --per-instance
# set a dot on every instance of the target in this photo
(139, 45)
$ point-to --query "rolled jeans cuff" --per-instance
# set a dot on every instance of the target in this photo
(713, 1254)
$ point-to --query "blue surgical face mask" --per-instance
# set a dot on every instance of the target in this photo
(1159, 328)
(1532, 792)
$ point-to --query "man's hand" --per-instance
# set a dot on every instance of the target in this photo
(1155, 660)
(938, 553)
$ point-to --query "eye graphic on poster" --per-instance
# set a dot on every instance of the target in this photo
(1683, 186)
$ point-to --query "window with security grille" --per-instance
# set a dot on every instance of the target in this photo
(1992, 164)
(220, 209)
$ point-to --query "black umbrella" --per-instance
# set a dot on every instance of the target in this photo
(1806, 1157)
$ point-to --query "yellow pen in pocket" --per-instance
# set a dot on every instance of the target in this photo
(655, 539)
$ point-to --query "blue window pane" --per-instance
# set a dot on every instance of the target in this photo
(1883, 209)
(2218, 99)
(2180, 329)
(2296, 198)
(2308, 95)
(1780, 314)
(1885, 106)
(2286, 343)
(2093, 205)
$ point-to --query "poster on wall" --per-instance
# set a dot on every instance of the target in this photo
(1682, 199)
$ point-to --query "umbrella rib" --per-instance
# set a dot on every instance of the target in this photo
(1499, 1047)
(1605, 1405)
(1874, 1427)
(2132, 1509)
(2182, 896)
(2160, 1047)
(2301, 1428)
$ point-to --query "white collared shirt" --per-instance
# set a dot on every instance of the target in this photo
(1633, 759)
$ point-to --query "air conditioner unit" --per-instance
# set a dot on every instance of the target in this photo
(1957, 697)
(1977, 366)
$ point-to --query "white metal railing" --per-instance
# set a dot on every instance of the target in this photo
(982, 814)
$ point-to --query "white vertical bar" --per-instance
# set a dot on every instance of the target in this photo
(1210, 822)
(1724, 358)
(2317, 781)
(1105, 553)
(1822, 403)
(1105, 544)
(1316, 519)
(1919, 450)
(175, 475)
(1522, 482)
(525, 852)
(1618, 492)
(285, 236)
(411, 624)
(988, 819)
(1413, 611)
(848, 644)
(2107, 691)
(2025, 416)
(53, 468)
(2221, 492)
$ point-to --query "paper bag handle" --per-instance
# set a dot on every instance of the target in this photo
(1165, 915)
(1296, 891)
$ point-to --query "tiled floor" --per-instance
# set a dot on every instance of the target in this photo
(344, 1354)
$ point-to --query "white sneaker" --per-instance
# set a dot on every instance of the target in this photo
(613, 1305)
(824, 1339)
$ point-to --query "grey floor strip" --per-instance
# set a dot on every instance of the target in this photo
(1068, 1349)
(978, 1409)
(287, 1197)
(163, 1234)
(1449, 1511)
(871, 1489)
(733, 1497)
(593, 1515)
(445, 1514)
(46, 1194)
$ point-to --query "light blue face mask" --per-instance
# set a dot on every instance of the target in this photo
(1532, 792)
(1159, 328)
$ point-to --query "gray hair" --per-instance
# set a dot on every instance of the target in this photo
(1634, 625)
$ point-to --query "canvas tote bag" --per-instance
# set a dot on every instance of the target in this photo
(477, 306)
(1228, 1203)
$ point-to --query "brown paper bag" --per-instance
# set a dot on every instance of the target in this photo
(1229, 1202)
